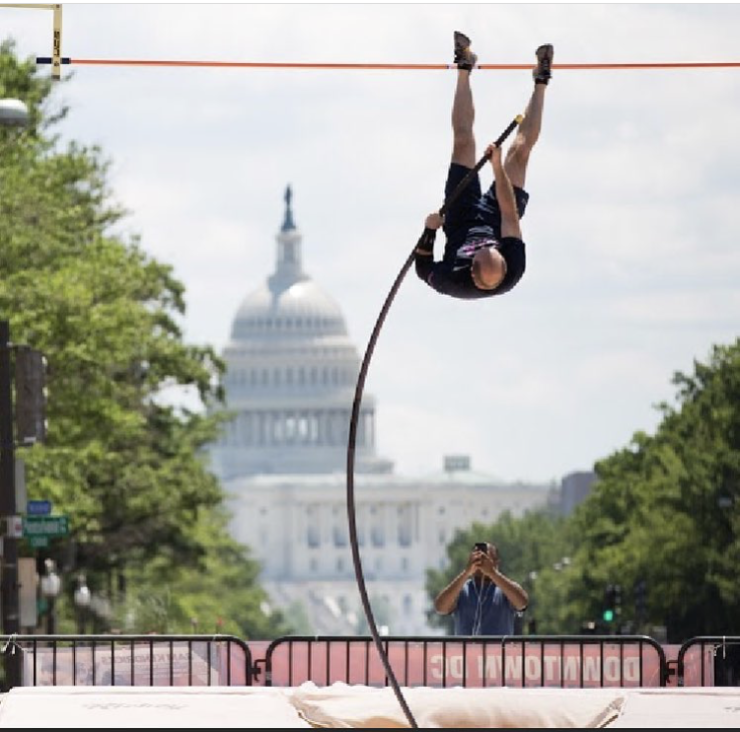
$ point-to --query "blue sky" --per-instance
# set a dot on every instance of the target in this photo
(632, 228)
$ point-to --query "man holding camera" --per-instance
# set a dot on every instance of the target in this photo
(483, 599)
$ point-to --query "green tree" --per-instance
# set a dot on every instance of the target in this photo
(213, 596)
(667, 511)
(125, 464)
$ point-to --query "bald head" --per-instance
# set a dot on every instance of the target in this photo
(488, 269)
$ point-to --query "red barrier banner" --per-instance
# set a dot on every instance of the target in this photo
(698, 663)
(176, 664)
(470, 665)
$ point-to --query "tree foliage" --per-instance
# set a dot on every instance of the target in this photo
(121, 460)
(667, 509)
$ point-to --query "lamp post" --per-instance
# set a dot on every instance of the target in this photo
(83, 597)
(51, 586)
(13, 113)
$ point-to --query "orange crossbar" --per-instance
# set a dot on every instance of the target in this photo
(413, 67)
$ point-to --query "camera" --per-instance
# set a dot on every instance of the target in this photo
(481, 546)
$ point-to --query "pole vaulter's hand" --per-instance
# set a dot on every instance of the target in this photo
(493, 151)
(434, 221)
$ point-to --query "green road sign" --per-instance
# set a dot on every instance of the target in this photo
(39, 542)
(47, 527)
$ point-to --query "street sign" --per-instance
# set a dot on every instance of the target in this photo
(38, 508)
(49, 527)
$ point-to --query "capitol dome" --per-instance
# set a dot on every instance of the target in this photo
(300, 310)
(291, 372)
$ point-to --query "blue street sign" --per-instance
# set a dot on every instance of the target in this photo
(38, 508)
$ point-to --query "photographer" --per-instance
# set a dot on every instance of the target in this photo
(483, 599)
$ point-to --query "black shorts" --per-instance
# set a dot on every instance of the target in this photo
(473, 209)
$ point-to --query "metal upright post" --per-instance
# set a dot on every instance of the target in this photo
(9, 559)
(13, 113)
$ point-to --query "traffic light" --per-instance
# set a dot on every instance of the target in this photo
(30, 395)
(612, 603)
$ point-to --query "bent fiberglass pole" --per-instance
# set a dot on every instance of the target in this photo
(353, 429)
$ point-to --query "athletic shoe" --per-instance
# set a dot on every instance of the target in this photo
(464, 57)
(543, 71)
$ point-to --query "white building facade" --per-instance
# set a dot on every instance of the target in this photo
(291, 377)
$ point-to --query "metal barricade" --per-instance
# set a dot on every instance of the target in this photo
(577, 661)
(126, 660)
(709, 661)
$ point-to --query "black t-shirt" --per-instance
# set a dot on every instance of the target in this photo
(452, 275)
